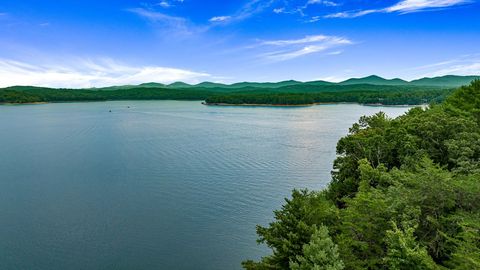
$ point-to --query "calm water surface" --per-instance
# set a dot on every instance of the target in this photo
(159, 185)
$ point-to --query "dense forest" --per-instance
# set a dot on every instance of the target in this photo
(285, 95)
(368, 90)
(405, 194)
(397, 96)
(33, 94)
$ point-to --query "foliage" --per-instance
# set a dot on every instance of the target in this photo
(387, 96)
(285, 94)
(405, 194)
(404, 252)
(319, 254)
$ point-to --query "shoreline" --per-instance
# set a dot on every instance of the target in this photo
(308, 105)
(25, 103)
(257, 105)
(220, 104)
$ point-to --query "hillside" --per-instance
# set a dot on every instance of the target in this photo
(404, 194)
(446, 81)
(368, 90)
(443, 81)
(373, 79)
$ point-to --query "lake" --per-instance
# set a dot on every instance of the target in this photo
(155, 184)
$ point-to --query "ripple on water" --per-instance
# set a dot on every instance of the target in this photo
(147, 186)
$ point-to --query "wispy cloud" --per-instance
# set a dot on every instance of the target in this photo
(284, 50)
(406, 6)
(155, 16)
(173, 25)
(89, 73)
(307, 39)
(322, 2)
(220, 19)
(181, 25)
(351, 14)
(402, 7)
(300, 9)
(248, 10)
(164, 4)
(462, 65)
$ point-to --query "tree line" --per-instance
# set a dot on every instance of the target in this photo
(364, 94)
(399, 97)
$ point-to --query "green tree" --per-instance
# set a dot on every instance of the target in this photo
(405, 194)
(319, 254)
(404, 252)
(293, 228)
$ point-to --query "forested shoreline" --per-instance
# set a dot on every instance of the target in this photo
(368, 90)
(363, 94)
(394, 97)
(405, 194)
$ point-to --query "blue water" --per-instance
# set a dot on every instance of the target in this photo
(159, 185)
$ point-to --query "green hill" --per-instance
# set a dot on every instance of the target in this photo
(375, 80)
(371, 89)
(179, 85)
(446, 81)
(443, 81)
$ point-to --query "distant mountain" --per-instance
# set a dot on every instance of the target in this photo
(449, 81)
(319, 83)
(212, 85)
(375, 80)
(152, 84)
(235, 85)
(179, 85)
(264, 85)
(445, 81)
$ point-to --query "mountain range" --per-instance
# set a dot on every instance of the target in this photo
(373, 81)
(447, 81)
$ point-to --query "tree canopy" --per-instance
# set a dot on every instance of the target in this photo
(405, 194)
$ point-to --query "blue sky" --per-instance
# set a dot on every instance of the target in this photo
(96, 43)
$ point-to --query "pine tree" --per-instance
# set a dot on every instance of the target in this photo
(319, 254)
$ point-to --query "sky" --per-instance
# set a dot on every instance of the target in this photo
(61, 43)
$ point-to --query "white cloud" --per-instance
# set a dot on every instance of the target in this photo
(220, 19)
(459, 69)
(164, 4)
(172, 25)
(279, 10)
(351, 14)
(335, 53)
(307, 39)
(418, 5)
(248, 10)
(322, 2)
(334, 78)
(157, 16)
(294, 48)
(88, 73)
(404, 6)
(463, 65)
(301, 9)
